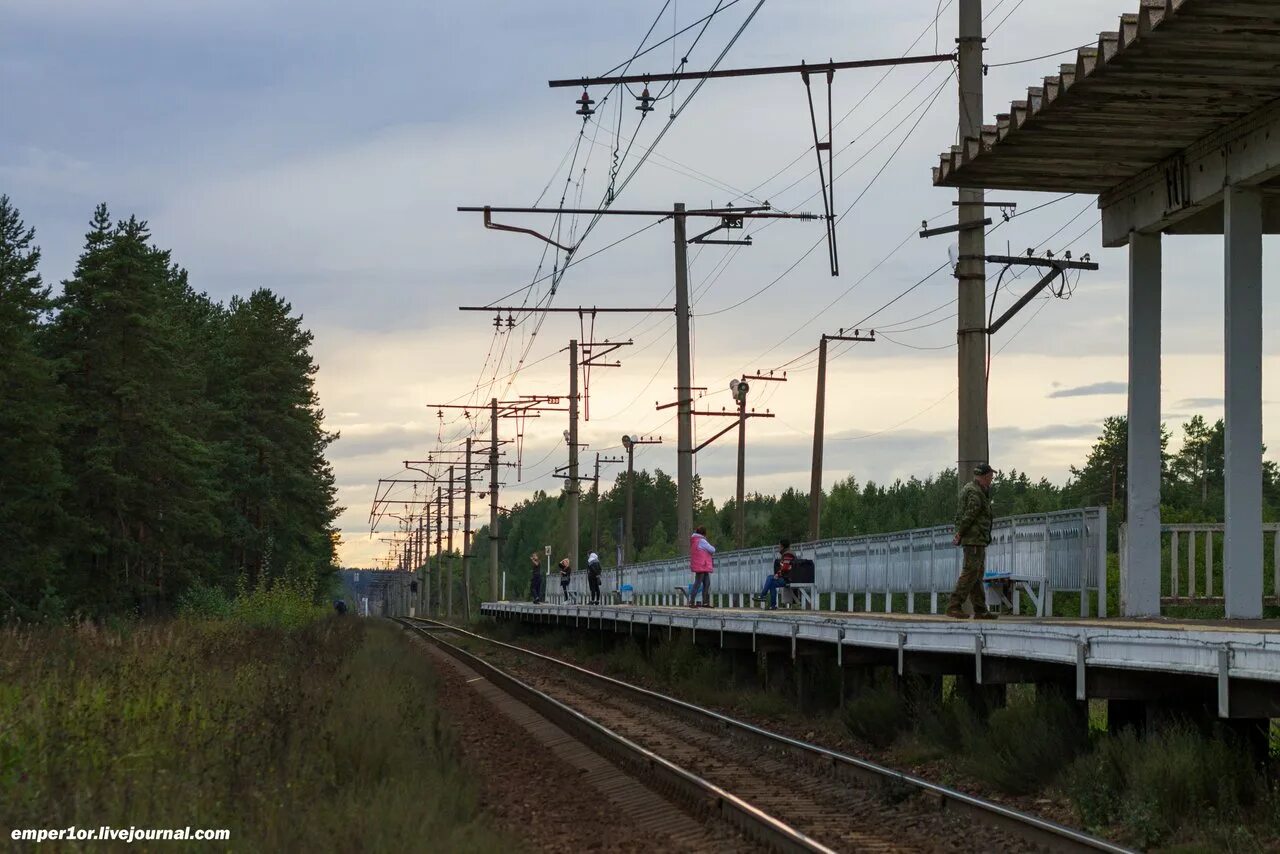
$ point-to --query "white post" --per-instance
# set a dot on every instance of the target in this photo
(1140, 580)
(1242, 541)
(1173, 563)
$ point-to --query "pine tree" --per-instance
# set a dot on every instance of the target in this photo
(285, 494)
(144, 496)
(31, 479)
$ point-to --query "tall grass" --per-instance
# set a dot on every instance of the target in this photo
(318, 737)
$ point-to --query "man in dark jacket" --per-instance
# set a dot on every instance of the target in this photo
(535, 578)
(973, 533)
(593, 577)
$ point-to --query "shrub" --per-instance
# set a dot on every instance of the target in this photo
(1024, 746)
(877, 715)
(204, 603)
(1156, 784)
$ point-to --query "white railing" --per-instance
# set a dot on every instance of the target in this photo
(1194, 568)
(1063, 551)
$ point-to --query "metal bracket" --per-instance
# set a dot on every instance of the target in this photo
(902, 643)
(978, 643)
(840, 648)
(489, 223)
(1224, 681)
(1082, 654)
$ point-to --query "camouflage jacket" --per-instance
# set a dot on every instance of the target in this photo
(973, 522)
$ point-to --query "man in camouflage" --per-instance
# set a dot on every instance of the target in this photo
(973, 533)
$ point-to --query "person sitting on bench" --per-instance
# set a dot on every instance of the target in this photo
(781, 575)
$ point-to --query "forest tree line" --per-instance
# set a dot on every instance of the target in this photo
(1192, 491)
(151, 439)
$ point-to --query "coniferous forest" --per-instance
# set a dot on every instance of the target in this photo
(152, 440)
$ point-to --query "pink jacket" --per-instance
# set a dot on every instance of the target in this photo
(700, 552)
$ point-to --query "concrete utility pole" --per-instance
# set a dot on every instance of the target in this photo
(819, 422)
(684, 391)
(572, 440)
(466, 536)
(449, 612)
(595, 504)
(971, 271)
(628, 535)
(740, 517)
(494, 534)
(439, 553)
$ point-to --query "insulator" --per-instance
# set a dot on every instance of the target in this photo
(646, 101)
(584, 104)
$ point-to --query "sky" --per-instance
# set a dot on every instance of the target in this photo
(320, 149)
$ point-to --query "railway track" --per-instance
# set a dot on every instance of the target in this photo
(779, 792)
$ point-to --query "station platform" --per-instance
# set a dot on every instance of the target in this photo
(1234, 665)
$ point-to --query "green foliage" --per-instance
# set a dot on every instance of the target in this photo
(877, 716)
(1026, 745)
(1155, 785)
(289, 738)
(32, 481)
(284, 603)
(151, 440)
(203, 602)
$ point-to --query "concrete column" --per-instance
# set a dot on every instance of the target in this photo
(1242, 543)
(1140, 581)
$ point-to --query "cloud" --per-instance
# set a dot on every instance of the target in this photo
(1091, 389)
(1200, 403)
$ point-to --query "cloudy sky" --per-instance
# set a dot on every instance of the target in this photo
(320, 149)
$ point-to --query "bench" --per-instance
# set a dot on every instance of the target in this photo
(1001, 586)
(802, 588)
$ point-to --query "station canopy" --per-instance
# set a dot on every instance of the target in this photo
(1177, 74)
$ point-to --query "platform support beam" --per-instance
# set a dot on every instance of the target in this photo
(1242, 542)
(1140, 576)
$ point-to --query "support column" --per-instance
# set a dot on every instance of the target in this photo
(1140, 581)
(1242, 542)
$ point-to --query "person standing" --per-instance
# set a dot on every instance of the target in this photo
(781, 575)
(973, 534)
(535, 578)
(702, 564)
(593, 577)
(565, 572)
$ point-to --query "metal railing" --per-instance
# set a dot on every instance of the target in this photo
(1058, 552)
(1191, 560)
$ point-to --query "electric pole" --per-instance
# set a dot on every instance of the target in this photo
(684, 391)
(439, 554)
(628, 531)
(740, 518)
(449, 612)
(595, 509)
(819, 418)
(466, 535)
(494, 533)
(971, 271)
(572, 439)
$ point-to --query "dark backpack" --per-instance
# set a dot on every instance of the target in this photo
(802, 571)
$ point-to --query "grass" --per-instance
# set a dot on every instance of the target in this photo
(319, 736)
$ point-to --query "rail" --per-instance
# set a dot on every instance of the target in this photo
(1047, 553)
(1192, 565)
(1038, 830)
(759, 826)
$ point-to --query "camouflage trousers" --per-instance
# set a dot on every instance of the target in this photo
(970, 583)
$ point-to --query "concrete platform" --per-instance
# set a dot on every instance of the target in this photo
(1233, 665)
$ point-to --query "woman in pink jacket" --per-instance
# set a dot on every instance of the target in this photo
(702, 564)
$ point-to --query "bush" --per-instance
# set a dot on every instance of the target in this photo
(204, 603)
(1156, 784)
(1024, 746)
(877, 715)
(282, 604)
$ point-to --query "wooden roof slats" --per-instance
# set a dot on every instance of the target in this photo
(1172, 72)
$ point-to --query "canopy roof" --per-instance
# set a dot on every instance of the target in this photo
(1175, 72)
